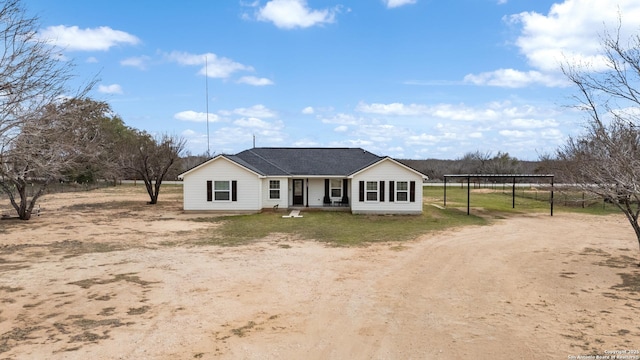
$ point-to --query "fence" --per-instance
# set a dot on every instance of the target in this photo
(62, 187)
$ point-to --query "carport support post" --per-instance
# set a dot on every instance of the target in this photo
(513, 194)
(445, 191)
(551, 195)
(468, 194)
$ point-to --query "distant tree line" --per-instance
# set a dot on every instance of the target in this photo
(477, 162)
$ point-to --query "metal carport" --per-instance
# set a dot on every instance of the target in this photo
(495, 176)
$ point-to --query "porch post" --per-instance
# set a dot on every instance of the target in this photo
(345, 188)
(327, 199)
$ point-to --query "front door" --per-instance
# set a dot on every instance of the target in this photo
(298, 191)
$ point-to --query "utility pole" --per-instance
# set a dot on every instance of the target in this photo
(206, 86)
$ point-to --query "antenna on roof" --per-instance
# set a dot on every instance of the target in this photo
(254, 141)
(206, 82)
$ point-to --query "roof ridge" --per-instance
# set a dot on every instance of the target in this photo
(269, 161)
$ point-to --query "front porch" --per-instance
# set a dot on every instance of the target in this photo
(319, 193)
(325, 207)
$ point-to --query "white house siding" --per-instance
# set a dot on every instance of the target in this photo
(284, 193)
(249, 189)
(386, 171)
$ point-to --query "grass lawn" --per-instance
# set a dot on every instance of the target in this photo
(345, 229)
(338, 228)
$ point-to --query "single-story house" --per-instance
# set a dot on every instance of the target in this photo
(292, 178)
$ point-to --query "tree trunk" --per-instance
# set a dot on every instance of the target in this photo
(153, 195)
(21, 208)
(632, 216)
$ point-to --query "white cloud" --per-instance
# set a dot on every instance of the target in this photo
(216, 67)
(110, 89)
(256, 111)
(517, 134)
(534, 123)
(341, 128)
(290, 14)
(445, 111)
(308, 110)
(569, 33)
(73, 38)
(516, 79)
(194, 116)
(397, 3)
(393, 109)
(255, 81)
(422, 139)
(571, 30)
(459, 112)
(139, 62)
(343, 119)
(92, 60)
(252, 123)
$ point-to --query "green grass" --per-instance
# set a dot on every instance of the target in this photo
(337, 228)
(527, 200)
(345, 229)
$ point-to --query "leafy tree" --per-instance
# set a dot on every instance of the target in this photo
(151, 159)
(605, 159)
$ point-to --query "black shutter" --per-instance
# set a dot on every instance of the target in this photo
(412, 191)
(209, 190)
(345, 188)
(361, 191)
(382, 191)
(327, 199)
(234, 190)
(391, 190)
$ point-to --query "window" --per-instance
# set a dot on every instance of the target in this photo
(222, 190)
(402, 191)
(372, 191)
(274, 189)
(336, 188)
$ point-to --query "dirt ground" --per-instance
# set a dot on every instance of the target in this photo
(100, 275)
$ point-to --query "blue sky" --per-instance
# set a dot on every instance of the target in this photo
(405, 78)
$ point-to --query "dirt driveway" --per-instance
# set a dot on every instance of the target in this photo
(100, 275)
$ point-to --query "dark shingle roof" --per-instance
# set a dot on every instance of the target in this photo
(305, 161)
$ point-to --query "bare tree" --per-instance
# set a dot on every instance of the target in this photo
(151, 159)
(605, 160)
(32, 80)
(48, 146)
(31, 76)
(485, 163)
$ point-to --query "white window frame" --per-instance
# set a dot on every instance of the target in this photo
(403, 191)
(221, 190)
(371, 190)
(274, 188)
(333, 188)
